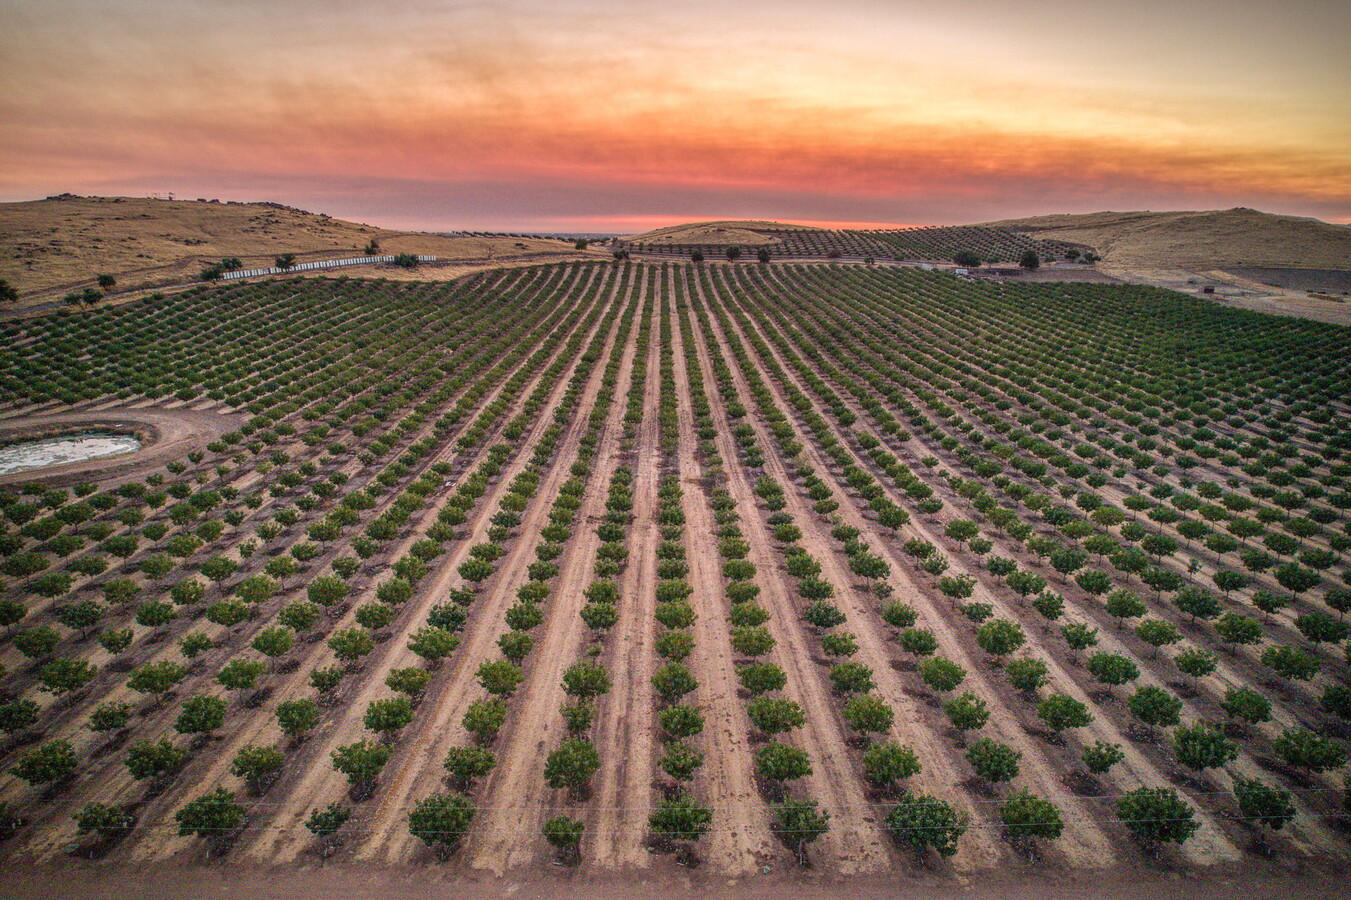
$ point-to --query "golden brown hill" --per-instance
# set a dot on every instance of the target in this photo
(746, 233)
(49, 247)
(1215, 239)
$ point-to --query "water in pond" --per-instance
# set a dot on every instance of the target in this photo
(65, 449)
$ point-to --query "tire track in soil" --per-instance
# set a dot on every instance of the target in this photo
(856, 842)
(311, 760)
(1210, 844)
(624, 717)
(739, 842)
(517, 797)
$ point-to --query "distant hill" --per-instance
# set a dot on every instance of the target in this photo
(746, 233)
(49, 247)
(1215, 239)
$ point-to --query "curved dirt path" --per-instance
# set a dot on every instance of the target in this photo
(166, 433)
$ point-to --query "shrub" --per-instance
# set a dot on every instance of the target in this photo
(886, 763)
(1060, 711)
(1303, 749)
(1157, 815)
(212, 816)
(775, 715)
(464, 764)
(1026, 816)
(441, 821)
(1201, 747)
(941, 674)
(1262, 804)
(778, 762)
(52, 762)
(919, 821)
(1101, 756)
(680, 818)
(966, 712)
(572, 764)
(200, 715)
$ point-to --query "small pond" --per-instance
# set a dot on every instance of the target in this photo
(69, 448)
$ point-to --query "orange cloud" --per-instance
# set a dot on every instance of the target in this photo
(859, 100)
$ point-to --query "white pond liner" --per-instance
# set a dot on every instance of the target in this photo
(58, 451)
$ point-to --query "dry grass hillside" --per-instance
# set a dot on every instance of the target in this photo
(1213, 239)
(1240, 257)
(747, 233)
(49, 247)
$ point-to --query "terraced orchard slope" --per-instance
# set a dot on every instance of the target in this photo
(773, 240)
(626, 566)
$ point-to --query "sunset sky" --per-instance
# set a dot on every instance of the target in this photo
(584, 115)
